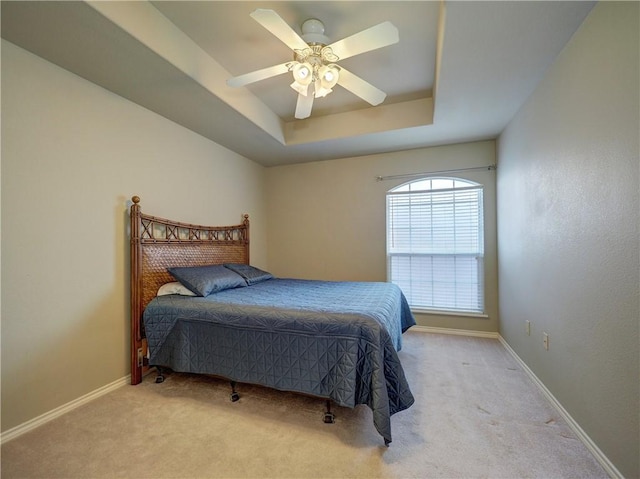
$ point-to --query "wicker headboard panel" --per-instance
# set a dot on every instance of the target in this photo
(157, 244)
(156, 258)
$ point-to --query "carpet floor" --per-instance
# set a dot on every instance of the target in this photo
(477, 415)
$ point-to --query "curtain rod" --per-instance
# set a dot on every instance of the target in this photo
(430, 173)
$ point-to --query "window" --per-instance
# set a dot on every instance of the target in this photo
(435, 244)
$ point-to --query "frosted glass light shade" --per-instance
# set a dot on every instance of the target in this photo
(303, 73)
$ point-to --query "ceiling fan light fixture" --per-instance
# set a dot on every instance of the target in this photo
(302, 77)
(303, 73)
(300, 88)
(322, 92)
(328, 76)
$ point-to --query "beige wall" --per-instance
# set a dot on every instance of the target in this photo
(72, 156)
(327, 219)
(568, 234)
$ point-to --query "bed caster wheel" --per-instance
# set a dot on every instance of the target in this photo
(329, 418)
(159, 375)
(234, 394)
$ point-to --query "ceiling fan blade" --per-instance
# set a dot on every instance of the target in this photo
(304, 105)
(370, 39)
(361, 88)
(278, 27)
(258, 75)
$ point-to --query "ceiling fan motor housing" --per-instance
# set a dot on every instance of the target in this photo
(313, 32)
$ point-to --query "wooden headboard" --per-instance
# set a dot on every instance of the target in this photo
(157, 244)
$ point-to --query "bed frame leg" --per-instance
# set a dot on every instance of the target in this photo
(234, 394)
(329, 417)
(160, 376)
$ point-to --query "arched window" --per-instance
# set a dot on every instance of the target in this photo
(435, 243)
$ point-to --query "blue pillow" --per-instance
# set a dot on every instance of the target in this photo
(250, 273)
(205, 280)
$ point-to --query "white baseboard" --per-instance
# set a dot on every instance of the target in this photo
(457, 332)
(59, 411)
(575, 427)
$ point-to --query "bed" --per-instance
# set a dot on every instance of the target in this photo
(337, 341)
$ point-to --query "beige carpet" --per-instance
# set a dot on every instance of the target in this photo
(477, 415)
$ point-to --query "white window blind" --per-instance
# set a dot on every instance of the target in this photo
(435, 246)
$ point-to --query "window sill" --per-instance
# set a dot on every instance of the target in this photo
(443, 312)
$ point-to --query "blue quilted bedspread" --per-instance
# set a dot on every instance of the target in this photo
(334, 340)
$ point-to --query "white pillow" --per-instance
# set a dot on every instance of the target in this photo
(174, 288)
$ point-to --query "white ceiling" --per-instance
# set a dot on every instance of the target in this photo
(459, 73)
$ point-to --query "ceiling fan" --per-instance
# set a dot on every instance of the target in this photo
(314, 67)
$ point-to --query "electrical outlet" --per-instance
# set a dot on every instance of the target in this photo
(545, 341)
(527, 327)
